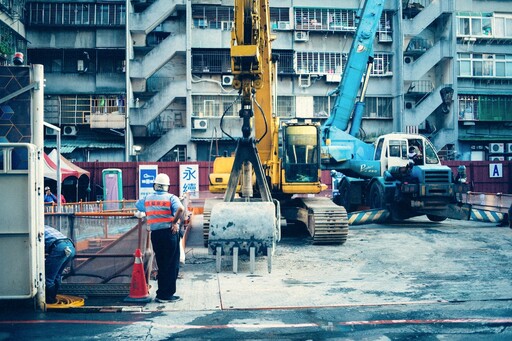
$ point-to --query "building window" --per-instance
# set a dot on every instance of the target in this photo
(284, 62)
(213, 17)
(485, 65)
(468, 107)
(378, 107)
(382, 64)
(321, 106)
(280, 18)
(328, 63)
(215, 106)
(285, 106)
(321, 63)
(465, 64)
(211, 61)
(485, 107)
(385, 30)
(325, 19)
(481, 25)
(81, 14)
(78, 60)
(502, 26)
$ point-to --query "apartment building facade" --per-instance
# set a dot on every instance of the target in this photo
(151, 80)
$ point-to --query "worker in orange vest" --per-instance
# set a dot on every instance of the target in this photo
(163, 212)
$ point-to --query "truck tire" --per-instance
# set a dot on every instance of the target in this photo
(376, 197)
(435, 217)
(344, 197)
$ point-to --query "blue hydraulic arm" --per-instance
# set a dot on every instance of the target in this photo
(360, 60)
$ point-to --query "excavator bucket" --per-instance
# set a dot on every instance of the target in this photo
(242, 229)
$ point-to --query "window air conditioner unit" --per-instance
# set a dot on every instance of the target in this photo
(50, 132)
(408, 59)
(409, 105)
(496, 148)
(509, 148)
(496, 158)
(200, 123)
(227, 80)
(301, 36)
(69, 131)
(283, 25)
(80, 65)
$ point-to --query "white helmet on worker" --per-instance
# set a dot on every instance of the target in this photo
(162, 180)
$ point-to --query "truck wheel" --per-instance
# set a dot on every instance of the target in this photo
(376, 198)
(344, 197)
(435, 217)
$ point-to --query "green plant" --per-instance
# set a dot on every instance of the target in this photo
(5, 48)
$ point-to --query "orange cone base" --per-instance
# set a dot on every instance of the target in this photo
(138, 288)
(139, 300)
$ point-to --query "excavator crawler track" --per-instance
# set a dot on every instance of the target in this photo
(206, 226)
(327, 222)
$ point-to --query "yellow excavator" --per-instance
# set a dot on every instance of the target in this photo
(264, 182)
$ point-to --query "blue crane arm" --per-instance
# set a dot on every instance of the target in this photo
(360, 55)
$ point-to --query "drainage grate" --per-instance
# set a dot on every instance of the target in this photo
(82, 289)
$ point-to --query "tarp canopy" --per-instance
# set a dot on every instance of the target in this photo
(67, 168)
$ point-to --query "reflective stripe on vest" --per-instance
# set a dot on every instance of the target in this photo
(158, 211)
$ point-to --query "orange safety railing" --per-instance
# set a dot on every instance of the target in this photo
(93, 206)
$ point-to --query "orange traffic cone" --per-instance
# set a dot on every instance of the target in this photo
(139, 291)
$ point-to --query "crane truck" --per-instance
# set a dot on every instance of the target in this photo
(264, 183)
(382, 175)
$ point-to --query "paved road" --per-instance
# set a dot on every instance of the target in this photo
(449, 280)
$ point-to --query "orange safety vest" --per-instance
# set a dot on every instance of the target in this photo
(159, 210)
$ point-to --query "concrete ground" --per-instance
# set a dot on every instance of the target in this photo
(415, 262)
(417, 280)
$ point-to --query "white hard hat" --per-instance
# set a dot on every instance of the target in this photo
(162, 179)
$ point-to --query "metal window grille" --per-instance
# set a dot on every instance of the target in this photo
(468, 107)
(213, 17)
(382, 63)
(214, 106)
(101, 14)
(280, 18)
(487, 108)
(321, 106)
(385, 30)
(285, 106)
(211, 61)
(332, 19)
(285, 62)
(378, 107)
(321, 63)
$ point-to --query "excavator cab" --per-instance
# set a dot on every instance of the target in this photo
(300, 147)
(301, 159)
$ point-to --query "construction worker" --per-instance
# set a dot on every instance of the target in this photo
(59, 251)
(49, 196)
(163, 211)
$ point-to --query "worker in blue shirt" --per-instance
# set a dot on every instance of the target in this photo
(163, 211)
(59, 251)
(49, 196)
